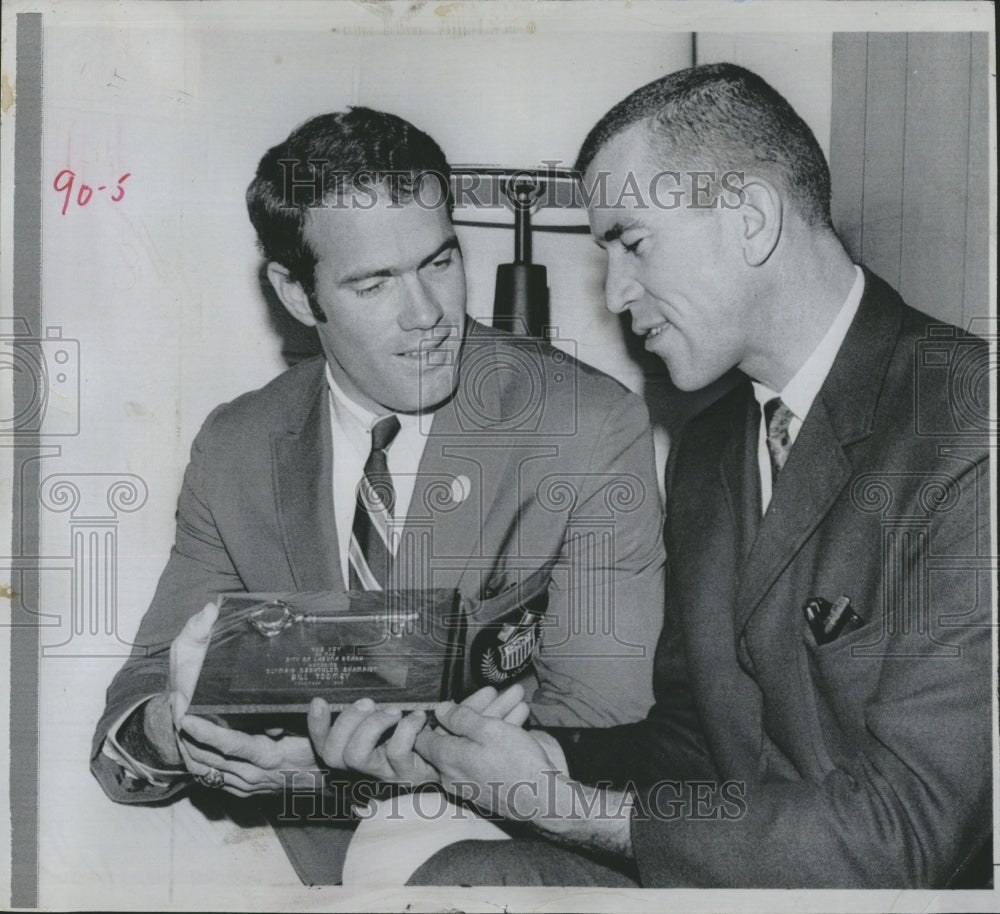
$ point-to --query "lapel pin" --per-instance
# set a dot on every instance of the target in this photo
(461, 488)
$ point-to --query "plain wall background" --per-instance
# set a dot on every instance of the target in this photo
(911, 199)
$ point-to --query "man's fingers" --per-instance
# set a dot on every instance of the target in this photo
(189, 763)
(331, 750)
(261, 751)
(222, 739)
(518, 715)
(255, 749)
(399, 749)
(178, 707)
(320, 721)
(430, 744)
(358, 752)
(442, 750)
(232, 781)
(197, 631)
(481, 700)
(463, 721)
(239, 774)
(471, 716)
(199, 626)
(256, 761)
(203, 758)
(443, 710)
(505, 702)
(187, 653)
(408, 728)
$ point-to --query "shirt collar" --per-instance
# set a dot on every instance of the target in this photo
(354, 418)
(801, 390)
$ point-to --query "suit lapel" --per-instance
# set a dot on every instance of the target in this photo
(712, 522)
(816, 471)
(463, 463)
(738, 466)
(302, 464)
(456, 487)
(819, 464)
(719, 497)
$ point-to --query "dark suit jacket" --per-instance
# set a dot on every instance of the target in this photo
(558, 465)
(865, 761)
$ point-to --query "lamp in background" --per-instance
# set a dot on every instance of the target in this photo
(521, 294)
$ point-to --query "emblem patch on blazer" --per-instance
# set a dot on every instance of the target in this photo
(502, 654)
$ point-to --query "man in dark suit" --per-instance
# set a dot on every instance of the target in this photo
(504, 456)
(823, 676)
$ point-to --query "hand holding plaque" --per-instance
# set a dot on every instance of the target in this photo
(271, 654)
(356, 739)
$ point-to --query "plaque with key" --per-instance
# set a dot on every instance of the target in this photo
(270, 654)
(274, 652)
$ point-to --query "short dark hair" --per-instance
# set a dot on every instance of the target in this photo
(357, 148)
(723, 117)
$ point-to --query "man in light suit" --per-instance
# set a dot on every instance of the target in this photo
(823, 676)
(507, 456)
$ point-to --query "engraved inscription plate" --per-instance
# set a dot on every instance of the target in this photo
(273, 653)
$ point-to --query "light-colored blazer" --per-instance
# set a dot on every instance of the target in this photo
(537, 458)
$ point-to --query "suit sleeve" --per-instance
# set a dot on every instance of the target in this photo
(668, 743)
(199, 568)
(606, 598)
(911, 797)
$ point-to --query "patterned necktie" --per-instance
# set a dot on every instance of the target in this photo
(779, 442)
(370, 554)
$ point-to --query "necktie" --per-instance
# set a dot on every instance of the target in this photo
(779, 442)
(370, 553)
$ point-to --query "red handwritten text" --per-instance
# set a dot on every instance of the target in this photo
(65, 182)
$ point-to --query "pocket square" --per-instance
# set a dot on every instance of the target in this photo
(828, 621)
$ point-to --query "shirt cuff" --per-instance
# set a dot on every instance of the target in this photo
(158, 777)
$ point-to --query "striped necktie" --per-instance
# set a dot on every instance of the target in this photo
(370, 554)
(779, 442)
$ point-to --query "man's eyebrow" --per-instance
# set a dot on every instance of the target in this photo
(449, 244)
(612, 234)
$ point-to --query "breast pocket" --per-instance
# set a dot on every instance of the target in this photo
(845, 679)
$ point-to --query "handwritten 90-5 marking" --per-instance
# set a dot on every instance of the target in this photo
(66, 179)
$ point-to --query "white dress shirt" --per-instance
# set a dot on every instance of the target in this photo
(801, 390)
(351, 427)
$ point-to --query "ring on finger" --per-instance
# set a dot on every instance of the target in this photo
(212, 778)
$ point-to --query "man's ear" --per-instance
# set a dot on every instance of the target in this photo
(291, 293)
(761, 212)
